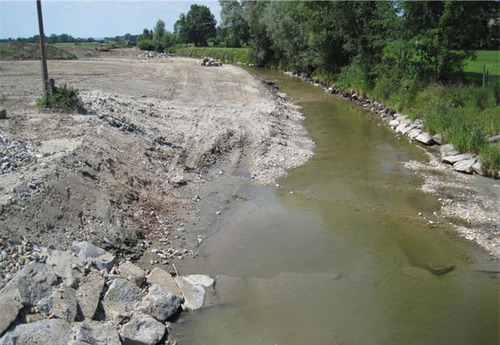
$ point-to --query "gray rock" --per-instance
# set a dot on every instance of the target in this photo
(98, 256)
(478, 168)
(89, 294)
(160, 303)
(414, 133)
(438, 268)
(448, 150)
(10, 307)
(34, 282)
(194, 294)
(66, 266)
(456, 158)
(424, 138)
(96, 333)
(121, 299)
(201, 279)
(438, 139)
(3, 114)
(393, 123)
(142, 329)
(178, 180)
(53, 332)
(164, 279)
(400, 127)
(62, 304)
(407, 129)
(465, 165)
(132, 273)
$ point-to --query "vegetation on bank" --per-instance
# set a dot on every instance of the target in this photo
(31, 51)
(231, 55)
(62, 98)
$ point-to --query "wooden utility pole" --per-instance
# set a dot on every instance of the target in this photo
(45, 74)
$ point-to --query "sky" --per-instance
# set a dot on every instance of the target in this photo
(93, 18)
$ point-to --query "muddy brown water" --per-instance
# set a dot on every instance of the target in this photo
(338, 254)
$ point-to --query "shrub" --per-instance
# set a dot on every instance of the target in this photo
(62, 98)
(490, 159)
(146, 44)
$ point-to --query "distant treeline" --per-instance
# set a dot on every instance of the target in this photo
(65, 38)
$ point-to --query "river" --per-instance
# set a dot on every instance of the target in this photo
(339, 252)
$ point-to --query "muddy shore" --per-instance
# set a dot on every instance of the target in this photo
(159, 134)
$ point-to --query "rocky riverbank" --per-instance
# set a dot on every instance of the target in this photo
(85, 296)
(469, 201)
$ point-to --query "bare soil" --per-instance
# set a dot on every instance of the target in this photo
(157, 133)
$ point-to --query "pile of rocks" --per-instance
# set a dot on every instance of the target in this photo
(152, 54)
(14, 155)
(211, 62)
(86, 297)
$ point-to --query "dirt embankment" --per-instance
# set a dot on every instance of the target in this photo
(129, 171)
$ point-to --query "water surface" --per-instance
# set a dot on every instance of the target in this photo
(339, 254)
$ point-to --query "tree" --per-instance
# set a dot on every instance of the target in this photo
(197, 26)
(233, 25)
(445, 34)
(158, 33)
(145, 41)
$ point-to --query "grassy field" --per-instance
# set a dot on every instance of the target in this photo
(488, 58)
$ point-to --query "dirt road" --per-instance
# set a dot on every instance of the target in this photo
(157, 131)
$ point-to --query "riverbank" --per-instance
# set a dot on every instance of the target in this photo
(468, 199)
(133, 169)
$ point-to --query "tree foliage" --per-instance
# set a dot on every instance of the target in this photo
(362, 40)
(197, 26)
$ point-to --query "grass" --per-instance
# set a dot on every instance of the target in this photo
(487, 58)
(231, 55)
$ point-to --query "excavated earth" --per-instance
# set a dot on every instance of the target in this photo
(158, 134)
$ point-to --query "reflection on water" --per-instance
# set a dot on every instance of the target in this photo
(338, 254)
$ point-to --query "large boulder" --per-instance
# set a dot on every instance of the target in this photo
(66, 266)
(89, 294)
(164, 279)
(160, 303)
(96, 333)
(465, 166)
(10, 307)
(121, 299)
(34, 282)
(62, 304)
(425, 138)
(193, 290)
(142, 329)
(132, 273)
(95, 255)
(51, 331)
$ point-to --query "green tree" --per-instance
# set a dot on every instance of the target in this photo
(260, 43)
(158, 33)
(197, 26)
(234, 28)
(168, 40)
(145, 40)
(445, 34)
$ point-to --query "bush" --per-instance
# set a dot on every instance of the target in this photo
(62, 98)
(490, 159)
(146, 44)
